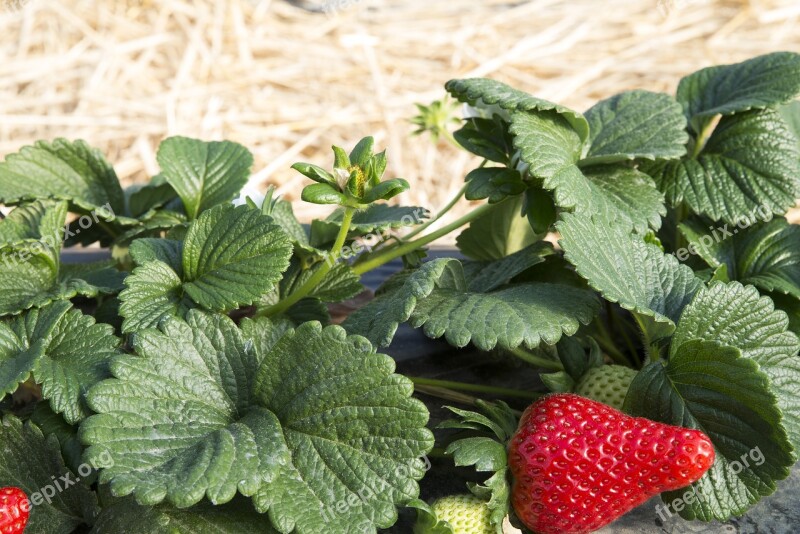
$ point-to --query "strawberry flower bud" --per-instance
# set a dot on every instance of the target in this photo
(355, 180)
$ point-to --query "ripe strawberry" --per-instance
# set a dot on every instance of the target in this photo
(578, 464)
(607, 384)
(14, 510)
(467, 514)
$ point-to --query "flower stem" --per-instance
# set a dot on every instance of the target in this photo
(535, 360)
(477, 388)
(410, 246)
(318, 276)
(453, 201)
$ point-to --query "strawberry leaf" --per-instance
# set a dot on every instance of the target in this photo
(33, 462)
(236, 517)
(758, 83)
(30, 249)
(204, 174)
(738, 316)
(487, 452)
(427, 522)
(553, 150)
(625, 269)
(636, 125)
(66, 351)
(751, 162)
(439, 298)
(231, 257)
(712, 387)
(63, 170)
(300, 424)
(496, 96)
(765, 255)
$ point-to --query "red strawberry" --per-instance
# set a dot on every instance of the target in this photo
(579, 464)
(14, 510)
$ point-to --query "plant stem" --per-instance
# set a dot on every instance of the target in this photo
(618, 326)
(538, 361)
(410, 246)
(318, 276)
(477, 388)
(704, 135)
(604, 340)
(453, 201)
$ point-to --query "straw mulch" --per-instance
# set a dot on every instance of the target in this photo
(288, 82)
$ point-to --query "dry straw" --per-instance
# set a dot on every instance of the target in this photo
(288, 82)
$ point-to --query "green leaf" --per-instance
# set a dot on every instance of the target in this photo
(487, 138)
(66, 351)
(438, 298)
(548, 143)
(427, 522)
(625, 269)
(154, 291)
(636, 125)
(31, 274)
(341, 283)
(41, 221)
(236, 517)
(102, 276)
(552, 149)
(283, 215)
(790, 113)
(32, 462)
(618, 192)
(758, 83)
(143, 199)
(488, 275)
(765, 255)
(491, 94)
(379, 319)
(711, 387)
(167, 251)
(151, 226)
(540, 209)
(316, 420)
(494, 183)
(751, 162)
(63, 170)
(486, 454)
(315, 172)
(386, 190)
(49, 423)
(738, 316)
(501, 232)
(791, 306)
(204, 174)
(232, 256)
(323, 194)
(522, 314)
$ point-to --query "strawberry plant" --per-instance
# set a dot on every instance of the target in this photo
(636, 253)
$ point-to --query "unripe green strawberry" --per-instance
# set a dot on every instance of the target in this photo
(467, 514)
(607, 384)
